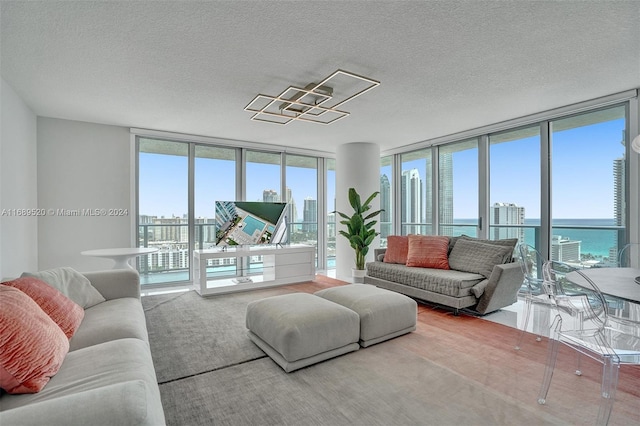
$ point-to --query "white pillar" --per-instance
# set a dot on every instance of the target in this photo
(357, 166)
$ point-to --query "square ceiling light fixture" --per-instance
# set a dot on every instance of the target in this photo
(315, 103)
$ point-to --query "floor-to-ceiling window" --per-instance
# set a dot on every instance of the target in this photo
(386, 199)
(163, 193)
(179, 183)
(560, 184)
(514, 185)
(588, 204)
(330, 236)
(302, 196)
(458, 188)
(214, 181)
(416, 191)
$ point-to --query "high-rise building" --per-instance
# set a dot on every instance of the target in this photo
(506, 214)
(445, 187)
(411, 201)
(270, 196)
(564, 249)
(310, 215)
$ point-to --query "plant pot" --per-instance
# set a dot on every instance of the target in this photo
(358, 275)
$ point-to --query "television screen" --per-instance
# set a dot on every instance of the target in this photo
(250, 223)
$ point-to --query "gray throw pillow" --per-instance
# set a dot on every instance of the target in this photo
(476, 257)
(71, 283)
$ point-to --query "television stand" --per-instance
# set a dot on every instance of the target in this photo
(245, 268)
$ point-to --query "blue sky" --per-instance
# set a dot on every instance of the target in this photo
(582, 175)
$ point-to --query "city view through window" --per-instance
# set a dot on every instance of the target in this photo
(587, 208)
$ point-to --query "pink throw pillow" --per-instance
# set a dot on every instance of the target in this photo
(62, 310)
(32, 346)
(397, 249)
(428, 251)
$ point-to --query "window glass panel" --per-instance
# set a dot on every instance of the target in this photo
(302, 196)
(458, 188)
(163, 206)
(262, 184)
(416, 192)
(514, 193)
(331, 217)
(588, 186)
(263, 176)
(386, 199)
(215, 180)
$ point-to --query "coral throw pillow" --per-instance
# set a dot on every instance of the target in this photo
(62, 310)
(428, 251)
(32, 346)
(397, 249)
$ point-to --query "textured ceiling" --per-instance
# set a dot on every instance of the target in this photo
(191, 67)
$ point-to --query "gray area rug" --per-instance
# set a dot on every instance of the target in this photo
(211, 373)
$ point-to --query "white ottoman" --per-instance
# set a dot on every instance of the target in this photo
(300, 329)
(383, 314)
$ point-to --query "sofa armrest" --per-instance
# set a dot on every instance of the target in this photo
(502, 289)
(115, 283)
(377, 252)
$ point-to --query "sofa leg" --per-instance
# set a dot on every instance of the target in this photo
(456, 312)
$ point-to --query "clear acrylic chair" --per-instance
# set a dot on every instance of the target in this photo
(629, 256)
(592, 332)
(531, 262)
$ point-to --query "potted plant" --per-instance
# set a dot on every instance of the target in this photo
(360, 233)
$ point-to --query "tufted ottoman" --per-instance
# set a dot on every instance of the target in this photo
(300, 329)
(383, 314)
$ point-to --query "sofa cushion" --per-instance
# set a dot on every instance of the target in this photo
(106, 384)
(477, 257)
(505, 242)
(111, 320)
(72, 284)
(33, 346)
(448, 282)
(62, 310)
(397, 249)
(428, 251)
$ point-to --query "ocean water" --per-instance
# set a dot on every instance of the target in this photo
(596, 242)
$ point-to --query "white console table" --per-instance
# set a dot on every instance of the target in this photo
(280, 265)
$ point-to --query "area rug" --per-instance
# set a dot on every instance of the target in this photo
(210, 373)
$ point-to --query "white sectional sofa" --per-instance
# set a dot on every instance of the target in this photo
(107, 377)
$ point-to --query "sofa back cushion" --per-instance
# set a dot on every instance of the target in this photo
(397, 249)
(505, 242)
(71, 283)
(428, 251)
(478, 257)
(62, 310)
(33, 346)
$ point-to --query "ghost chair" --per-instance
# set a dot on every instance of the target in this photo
(531, 262)
(592, 333)
(629, 256)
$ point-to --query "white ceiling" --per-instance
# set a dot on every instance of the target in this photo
(191, 67)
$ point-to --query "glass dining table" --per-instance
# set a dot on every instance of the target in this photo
(621, 283)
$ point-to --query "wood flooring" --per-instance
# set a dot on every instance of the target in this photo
(484, 352)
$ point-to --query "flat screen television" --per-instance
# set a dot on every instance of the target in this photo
(240, 223)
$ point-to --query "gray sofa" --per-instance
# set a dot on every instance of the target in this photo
(457, 289)
(107, 377)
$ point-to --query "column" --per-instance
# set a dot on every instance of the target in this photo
(357, 166)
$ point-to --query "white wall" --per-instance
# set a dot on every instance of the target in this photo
(18, 187)
(81, 166)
